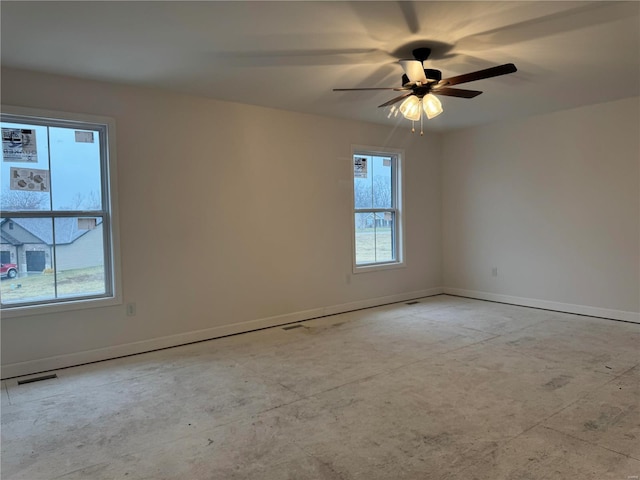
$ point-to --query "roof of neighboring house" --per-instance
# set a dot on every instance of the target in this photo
(7, 238)
(67, 230)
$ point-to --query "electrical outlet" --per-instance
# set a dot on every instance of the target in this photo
(131, 309)
(494, 271)
(347, 278)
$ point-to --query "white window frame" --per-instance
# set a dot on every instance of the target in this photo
(110, 197)
(398, 189)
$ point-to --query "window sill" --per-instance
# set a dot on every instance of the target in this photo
(376, 267)
(52, 308)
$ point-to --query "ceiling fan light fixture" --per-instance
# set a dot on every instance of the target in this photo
(431, 105)
(410, 108)
(417, 81)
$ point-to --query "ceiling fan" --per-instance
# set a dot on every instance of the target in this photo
(420, 87)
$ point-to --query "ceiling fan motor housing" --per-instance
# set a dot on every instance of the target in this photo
(421, 54)
(430, 73)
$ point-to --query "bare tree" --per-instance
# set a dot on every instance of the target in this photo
(90, 201)
(381, 192)
(21, 200)
(362, 194)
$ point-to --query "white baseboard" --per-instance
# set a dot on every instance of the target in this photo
(547, 305)
(88, 356)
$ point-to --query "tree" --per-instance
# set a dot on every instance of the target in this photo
(81, 201)
(21, 200)
(362, 193)
(381, 192)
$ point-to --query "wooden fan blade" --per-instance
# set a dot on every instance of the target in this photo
(414, 71)
(481, 74)
(373, 88)
(456, 92)
(396, 99)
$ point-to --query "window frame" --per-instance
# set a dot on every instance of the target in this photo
(109, 210)
(397, 179)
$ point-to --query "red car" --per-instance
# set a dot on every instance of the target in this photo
(8, 270)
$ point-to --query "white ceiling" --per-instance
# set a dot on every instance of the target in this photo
(290, 55)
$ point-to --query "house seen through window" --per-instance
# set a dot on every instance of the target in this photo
(376, 215)
(55, 220)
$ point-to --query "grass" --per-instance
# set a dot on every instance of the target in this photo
(40, 286)
(373, 245)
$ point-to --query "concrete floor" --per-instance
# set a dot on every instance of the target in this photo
(448, 388)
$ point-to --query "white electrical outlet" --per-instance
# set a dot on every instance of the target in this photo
(131, 309)
(494, 271)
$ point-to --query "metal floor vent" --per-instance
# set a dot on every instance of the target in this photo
(413, 302)
(37, 379)
(291, 327)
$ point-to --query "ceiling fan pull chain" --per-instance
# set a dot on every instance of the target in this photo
(421, 129)
(413, 127)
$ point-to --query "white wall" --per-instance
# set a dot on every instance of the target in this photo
(228, 214)
(552, 201)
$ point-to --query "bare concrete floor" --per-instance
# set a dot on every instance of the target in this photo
(448, 388)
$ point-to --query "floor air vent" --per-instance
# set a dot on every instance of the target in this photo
(37, 379)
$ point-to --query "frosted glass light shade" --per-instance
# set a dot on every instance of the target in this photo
(431, 105)
(410, 108)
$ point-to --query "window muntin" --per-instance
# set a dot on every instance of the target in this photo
(57, 230)
(376, 216)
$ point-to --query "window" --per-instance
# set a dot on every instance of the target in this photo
(57, 218)
(377, 220)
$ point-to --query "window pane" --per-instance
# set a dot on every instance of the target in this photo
(25, 168)
(74, 262)
(381, 182)
(384, 237)
(365, 238)
(75, 169)
(372, 187)
(28, 243)
(79, 256)
(375, 237)
(362, 187)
